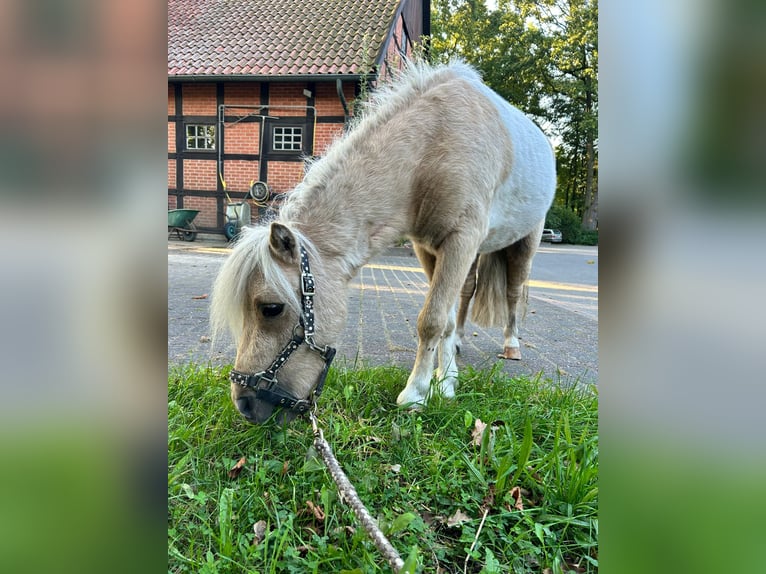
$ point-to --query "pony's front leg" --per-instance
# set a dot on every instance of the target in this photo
(418, 389)
(436, 324)
(446, 371)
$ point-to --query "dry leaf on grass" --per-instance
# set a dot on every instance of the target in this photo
(458, 518)
(574, 566)
(430, 518)
(315, 510)
(478, 432)
(395, 467)
(515, 493)
(259, 532)
(235, 470)
(200, 296)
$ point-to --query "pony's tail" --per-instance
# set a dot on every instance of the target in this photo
(489, 304)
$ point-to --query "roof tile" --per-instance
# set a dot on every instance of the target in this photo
(275, 37)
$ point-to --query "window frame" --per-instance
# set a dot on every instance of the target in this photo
(200, 137)
(293, 127)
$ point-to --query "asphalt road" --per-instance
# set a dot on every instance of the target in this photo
(559, 336)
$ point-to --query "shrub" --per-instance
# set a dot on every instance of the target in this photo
(588, 237)
(566, 221)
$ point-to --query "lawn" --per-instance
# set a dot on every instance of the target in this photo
(521, 495)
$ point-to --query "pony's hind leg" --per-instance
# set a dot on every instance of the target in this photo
(520, 256)
(466, 294)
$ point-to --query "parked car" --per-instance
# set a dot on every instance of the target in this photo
(551, 235)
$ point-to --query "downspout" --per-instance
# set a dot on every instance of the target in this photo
(343, 102)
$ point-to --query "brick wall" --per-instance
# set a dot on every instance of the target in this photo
(171, 100)
(171, 137)
(239, 173)
(242, 138)
(171, 174)
(284, 175)
(242, 93)
(324, 135)
(327, 101)
(200, 174)
(207, 216)
(287, 95)
(198, 100)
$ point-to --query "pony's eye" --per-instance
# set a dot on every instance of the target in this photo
(272, 309)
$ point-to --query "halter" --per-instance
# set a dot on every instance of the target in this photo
(265, 383)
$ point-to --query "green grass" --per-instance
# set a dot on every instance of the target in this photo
(414, 471)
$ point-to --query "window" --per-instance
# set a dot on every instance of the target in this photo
(287, 139)
(200, 136)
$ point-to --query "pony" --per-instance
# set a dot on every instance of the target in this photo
(435, 156)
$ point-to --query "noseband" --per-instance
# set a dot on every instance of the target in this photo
(265, 383)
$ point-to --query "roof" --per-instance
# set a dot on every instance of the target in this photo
(275, 37)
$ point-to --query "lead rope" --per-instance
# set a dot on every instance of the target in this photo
(348, 493)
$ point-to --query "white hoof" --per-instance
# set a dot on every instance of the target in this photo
(447, 387)
(410, 400)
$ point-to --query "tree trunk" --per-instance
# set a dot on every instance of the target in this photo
(590, 213)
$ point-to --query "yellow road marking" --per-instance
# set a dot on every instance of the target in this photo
(532, 283)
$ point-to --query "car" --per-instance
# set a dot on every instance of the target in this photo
(551, 236)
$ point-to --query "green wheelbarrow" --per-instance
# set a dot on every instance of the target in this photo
(181, 222)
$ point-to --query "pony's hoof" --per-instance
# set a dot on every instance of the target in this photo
(513, 353)
(409, 402)
(412, 407)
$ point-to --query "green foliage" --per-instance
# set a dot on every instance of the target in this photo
(542, 56)
(413, 470)
(588, 237)
(566, 221)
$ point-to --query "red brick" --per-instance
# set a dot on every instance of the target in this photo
(198, 100)
(171, 100)
(171, 174)
(171, 137)
(200, 174)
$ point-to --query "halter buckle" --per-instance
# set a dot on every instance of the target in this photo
(308, 287)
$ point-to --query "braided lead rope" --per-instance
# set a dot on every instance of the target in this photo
(348, 493)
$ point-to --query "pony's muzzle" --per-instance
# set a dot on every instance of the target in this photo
(258, 412)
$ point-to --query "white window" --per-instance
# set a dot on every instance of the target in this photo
(287, 139)
(200, 136)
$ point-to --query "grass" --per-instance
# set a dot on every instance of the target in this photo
(419, 473)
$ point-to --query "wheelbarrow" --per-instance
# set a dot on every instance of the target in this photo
(181, 222)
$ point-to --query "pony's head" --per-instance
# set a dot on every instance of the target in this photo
(284, 310)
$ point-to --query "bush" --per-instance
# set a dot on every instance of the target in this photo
(588, 237)
(568, 222)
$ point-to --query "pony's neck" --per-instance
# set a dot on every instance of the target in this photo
(348, 221)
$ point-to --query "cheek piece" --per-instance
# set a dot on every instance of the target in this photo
(265, 383)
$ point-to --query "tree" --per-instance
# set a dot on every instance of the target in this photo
(542, 56)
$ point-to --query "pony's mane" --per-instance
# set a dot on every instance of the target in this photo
(250, 253)
(414, 79)
(387, 100)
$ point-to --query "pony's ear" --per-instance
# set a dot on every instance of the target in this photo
(282, 243)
